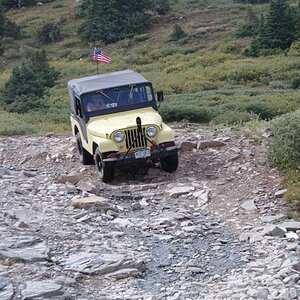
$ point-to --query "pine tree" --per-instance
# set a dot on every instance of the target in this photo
(24, 90)
(112, 20)
(276, 31)
(280, 25)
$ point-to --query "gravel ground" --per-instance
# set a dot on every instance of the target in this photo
(214, 229)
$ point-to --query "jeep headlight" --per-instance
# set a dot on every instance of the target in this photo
(119, 137)
(151, 131)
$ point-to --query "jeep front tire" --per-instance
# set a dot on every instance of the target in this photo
(105, 172)
(169, 163)
(85, 157)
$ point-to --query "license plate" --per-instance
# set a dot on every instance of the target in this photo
(142, 153)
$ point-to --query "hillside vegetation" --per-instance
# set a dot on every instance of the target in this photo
(193, 53)
(204, 75)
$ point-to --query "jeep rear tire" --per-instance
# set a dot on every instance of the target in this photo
(85, 157)
(105, 172)
(169, 163)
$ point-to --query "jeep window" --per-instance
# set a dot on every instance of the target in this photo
(118, 99)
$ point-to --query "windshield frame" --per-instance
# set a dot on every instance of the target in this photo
(118, 109)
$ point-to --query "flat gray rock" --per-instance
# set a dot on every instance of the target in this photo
(30, 249)
(180, 190)
(42, 290)
(6, 289)
(249, 205)
(272, 230)
(27, 216)
(95, 264)
(280, 193)
(272, 218)
(291, 225)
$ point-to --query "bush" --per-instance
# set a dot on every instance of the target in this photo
(190, 113)
(233, 118)
(284, 148)
(295, 83)
(49, 33)
(161, 6)
(178, 33)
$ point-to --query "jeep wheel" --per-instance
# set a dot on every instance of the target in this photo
(169, 163)
(85, 157)
(105, 172)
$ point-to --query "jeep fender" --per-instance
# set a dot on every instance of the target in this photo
(105, 145)
(166, 135)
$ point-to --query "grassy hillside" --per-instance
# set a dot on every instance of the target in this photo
(205, 77)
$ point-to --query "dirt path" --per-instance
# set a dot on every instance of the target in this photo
(204, 232)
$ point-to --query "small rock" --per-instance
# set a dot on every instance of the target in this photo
(291, 226)
(41, 289)
(88, 202)
(74, 179)
(280, 193)
(122, 222)
(210, 144)
(125, 273)
(6, 288)
(271, 218)
(272, 230)
(249, 205)
(188, 146)
(292, 236)
(175, 192)
(196, 270)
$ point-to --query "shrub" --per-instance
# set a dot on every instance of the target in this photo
(178, 33)
(233, 118)
(190, 113)
(49, 33)
(161, 6)
(295, 82)
(284, 148)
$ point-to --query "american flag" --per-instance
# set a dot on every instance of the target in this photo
(100, 56)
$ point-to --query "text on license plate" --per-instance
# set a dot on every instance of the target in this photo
(142, 153)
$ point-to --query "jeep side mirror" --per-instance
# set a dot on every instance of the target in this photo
(160, 96)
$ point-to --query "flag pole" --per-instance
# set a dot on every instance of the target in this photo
(97, 67)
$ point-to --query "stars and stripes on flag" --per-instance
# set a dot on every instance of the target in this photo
(100, 56)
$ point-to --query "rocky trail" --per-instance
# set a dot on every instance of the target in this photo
(215, 229)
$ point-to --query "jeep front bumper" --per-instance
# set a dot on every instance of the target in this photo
(123, 159)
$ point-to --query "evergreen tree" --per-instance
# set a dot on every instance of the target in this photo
(280, 25)
(24, 90)
(276, 31)
(178, 33)
(112, 20)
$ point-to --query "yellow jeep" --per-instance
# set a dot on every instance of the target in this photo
(115, 121)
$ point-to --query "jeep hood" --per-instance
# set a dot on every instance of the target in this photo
(106, 124)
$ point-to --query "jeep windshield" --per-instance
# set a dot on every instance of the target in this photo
(118, 99)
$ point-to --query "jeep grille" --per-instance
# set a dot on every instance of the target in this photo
(140, 142)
